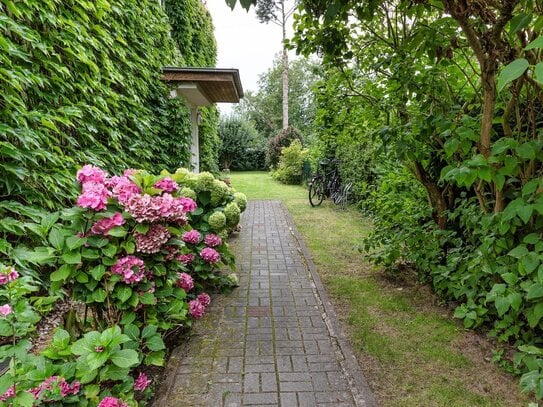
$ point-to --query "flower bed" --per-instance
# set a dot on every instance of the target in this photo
(139, 251)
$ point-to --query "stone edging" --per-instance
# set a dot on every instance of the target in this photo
(360, 389)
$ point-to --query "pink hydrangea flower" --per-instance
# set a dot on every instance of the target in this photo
(131, 268)
(172, 252)
(94, 195)
(185, 281)
(145, 208)
(142, 382)
(210, 255)
(152, 241)
(167, 185)
(212, 240)
(8, 277)
(8, 394)
(204, 299)
(192, 236)
(5, 310)
(112, 402)
(51, 383)
(196, 309)
(90, 173)
(130, 171)
(188, 204)
(186, 258)
(103, 226)
(123, 188)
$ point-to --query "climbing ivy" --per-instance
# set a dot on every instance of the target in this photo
(80, 82)
(192, 30)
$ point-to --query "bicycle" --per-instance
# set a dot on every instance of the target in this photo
(328, 184)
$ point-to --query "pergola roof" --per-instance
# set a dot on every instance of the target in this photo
(204, 86)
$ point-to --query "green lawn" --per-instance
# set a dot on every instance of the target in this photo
(412, 351)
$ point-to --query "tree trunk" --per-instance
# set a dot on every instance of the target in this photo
(284, 74)
(437, 200)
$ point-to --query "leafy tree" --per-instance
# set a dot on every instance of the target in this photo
(264, 107)
(237, 136)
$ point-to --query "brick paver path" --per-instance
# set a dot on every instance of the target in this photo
(272, 341)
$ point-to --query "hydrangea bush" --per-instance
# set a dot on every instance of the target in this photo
(139, 251)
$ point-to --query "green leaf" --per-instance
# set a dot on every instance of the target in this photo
(537, 43)
(515, 299)
(519, 251)
(73, 257)
(56, 238)
(148, 331)
(128, 318)
(510, 278)
(113, 372)
(110, 250)
(534, 315)
(99, 295)
(142, 228)
(62, 273)
(451, 146)
(525, 213)
(123, 293)
(530, 262)
(511, 72)
(535, 291)
(98, 272)
(148, 299)
(155, 358)
(132, 331)
(74, 242)
(125, 358)
(6, 381)
(538, 72)
(155, 343)
(526, 151)
(519, 22)
(117, 231)
(502, 305)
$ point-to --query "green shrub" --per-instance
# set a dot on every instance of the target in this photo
(275, 144)
(291, 164)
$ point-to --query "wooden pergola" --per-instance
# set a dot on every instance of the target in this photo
(203, 87)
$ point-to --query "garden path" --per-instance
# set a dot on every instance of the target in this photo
(274, 340)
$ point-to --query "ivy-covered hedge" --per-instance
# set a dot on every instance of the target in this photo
(80, 82)
(192, 31)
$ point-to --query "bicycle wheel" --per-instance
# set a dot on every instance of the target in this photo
(316, 191)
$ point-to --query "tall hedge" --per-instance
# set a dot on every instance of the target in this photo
(80, 82)
(192, 30)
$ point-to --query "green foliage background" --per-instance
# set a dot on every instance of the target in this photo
(192, 31)
(80, 83)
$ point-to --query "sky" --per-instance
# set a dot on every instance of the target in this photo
(243, 43)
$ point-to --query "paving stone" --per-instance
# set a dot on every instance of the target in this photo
(265, 343)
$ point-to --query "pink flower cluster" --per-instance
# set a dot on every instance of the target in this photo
(9, 276)
(198, 306)
(186, 258)
(152, 241)
(112, 402)
(94, 196)
(210, 255)
(185, 281)
(91, 174)
(192, 237)
(146, 208)
(172, 252)
(5, 310)
(8, 394)
(131, 268)
(212, 240)
(204, 299)
(167, 185)
(123, 188)
(142, 382)
(103, 226)
(51, 383)
(189, 205)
